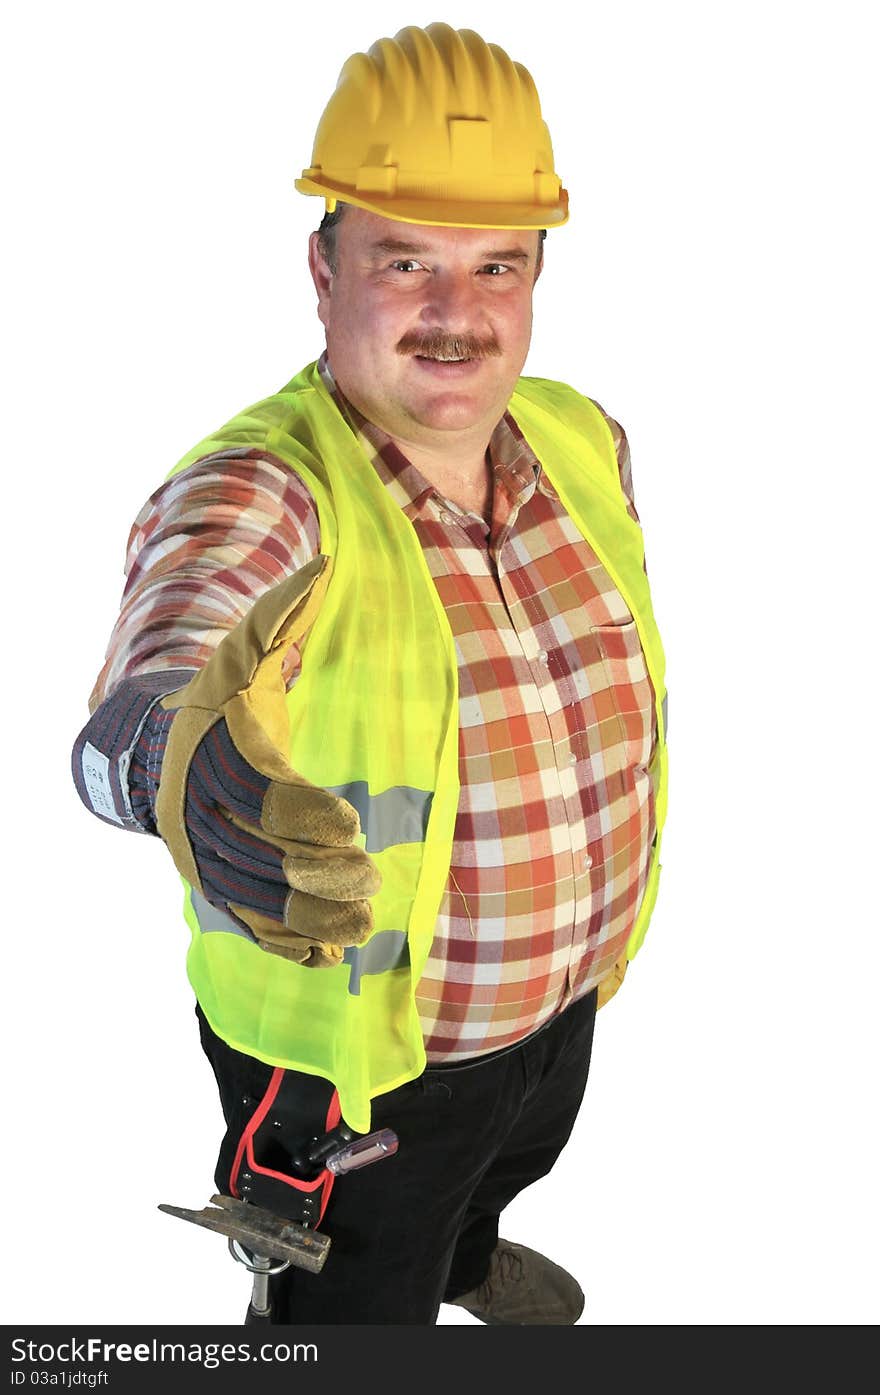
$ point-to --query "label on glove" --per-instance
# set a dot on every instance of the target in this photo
(96, 777)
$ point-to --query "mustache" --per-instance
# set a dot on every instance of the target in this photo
(438, 343)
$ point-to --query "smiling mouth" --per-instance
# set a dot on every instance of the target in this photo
(448, 367)
(443, 348)
(442, 358)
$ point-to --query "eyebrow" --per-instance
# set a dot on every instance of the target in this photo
(414, 249)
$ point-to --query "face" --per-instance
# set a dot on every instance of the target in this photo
(427, 328)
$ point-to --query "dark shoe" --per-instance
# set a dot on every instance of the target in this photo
(522, 1288)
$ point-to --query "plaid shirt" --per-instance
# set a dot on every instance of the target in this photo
(556, 718)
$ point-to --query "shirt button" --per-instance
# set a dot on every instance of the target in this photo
(542, 657)
(449, 519)
(588, 862)
(572, 760)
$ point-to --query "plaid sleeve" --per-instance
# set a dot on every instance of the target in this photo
(203, 548)
(624, 465)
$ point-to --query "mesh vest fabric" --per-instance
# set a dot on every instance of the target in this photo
(374, 716)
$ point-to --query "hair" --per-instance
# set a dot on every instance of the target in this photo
(327, 238)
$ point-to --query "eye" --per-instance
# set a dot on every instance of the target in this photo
(405, 264)
(495, 268)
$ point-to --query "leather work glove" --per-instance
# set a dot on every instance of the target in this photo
(255, 838)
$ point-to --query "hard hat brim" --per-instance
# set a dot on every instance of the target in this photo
(447, 213)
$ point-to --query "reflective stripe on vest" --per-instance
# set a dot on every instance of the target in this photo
(374, 716)
(386, 950)
(397, 815)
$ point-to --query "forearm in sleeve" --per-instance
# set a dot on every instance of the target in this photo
(204, 547)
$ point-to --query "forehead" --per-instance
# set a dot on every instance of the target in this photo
(367, 232)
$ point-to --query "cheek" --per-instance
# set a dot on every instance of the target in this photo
(389, 321)
(368, 328)
(520, 318)
(512, 333)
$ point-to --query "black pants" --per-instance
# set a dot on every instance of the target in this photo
(419, 1227)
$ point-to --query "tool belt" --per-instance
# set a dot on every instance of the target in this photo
(278, 1163)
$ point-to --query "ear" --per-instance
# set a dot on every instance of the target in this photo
(322, 277)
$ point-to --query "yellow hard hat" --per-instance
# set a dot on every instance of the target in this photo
(436, 126)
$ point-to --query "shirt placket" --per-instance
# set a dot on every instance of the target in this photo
(563, 743)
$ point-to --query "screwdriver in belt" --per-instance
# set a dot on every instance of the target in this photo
(341, 1151)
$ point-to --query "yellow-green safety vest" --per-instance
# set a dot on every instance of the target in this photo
(374, 718)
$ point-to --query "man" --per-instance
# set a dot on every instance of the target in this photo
(387, 681)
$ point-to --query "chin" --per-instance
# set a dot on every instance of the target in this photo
(456, 409)
(452, 415)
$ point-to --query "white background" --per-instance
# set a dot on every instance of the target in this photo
(715, 290)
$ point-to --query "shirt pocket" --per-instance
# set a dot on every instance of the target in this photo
(629, 693)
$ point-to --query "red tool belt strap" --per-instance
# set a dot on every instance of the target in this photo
(245, 1150)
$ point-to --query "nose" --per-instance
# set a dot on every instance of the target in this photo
(451, 302)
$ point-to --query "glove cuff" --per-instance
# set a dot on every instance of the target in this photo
(117, 757)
